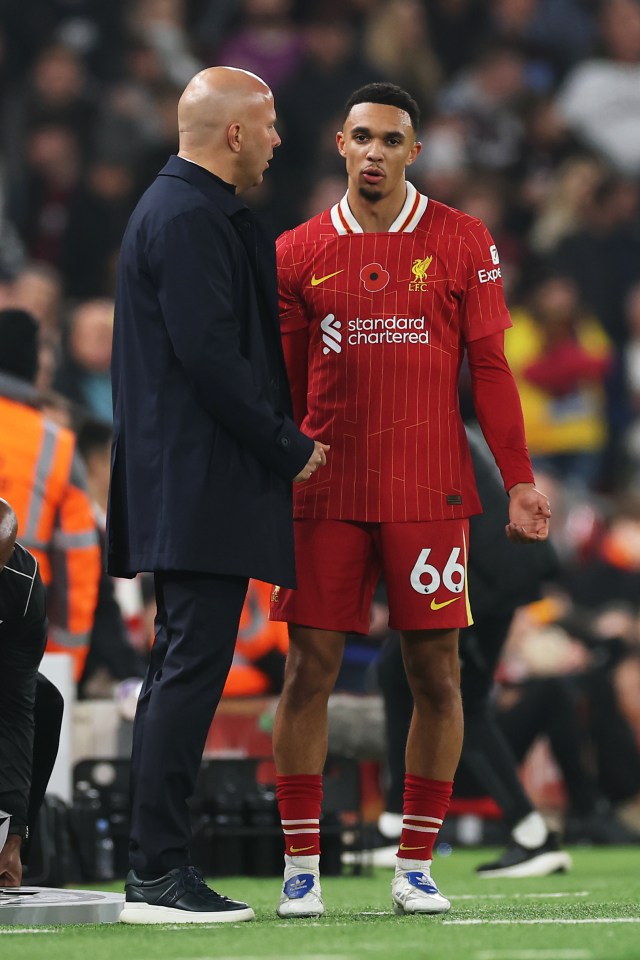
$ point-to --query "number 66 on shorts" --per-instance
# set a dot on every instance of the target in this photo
(340, 562)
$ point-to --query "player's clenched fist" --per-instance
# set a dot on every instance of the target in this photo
(317, 459)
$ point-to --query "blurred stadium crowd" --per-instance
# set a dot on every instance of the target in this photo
(530, 121)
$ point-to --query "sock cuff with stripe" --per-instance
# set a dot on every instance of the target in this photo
(425, 805)
(299, 798)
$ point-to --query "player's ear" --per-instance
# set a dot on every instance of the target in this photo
(413, 153)
(340, 142)
(234, 137)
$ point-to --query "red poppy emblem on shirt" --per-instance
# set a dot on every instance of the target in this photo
(374, 277)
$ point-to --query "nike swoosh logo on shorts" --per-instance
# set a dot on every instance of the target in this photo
(404, 847)
(316, 281)
(445, 603)
(300, 849)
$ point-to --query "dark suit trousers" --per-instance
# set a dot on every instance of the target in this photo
(196, 628)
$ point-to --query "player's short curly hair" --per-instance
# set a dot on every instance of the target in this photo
(387, 93)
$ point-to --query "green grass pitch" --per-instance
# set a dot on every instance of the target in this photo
(591, 913)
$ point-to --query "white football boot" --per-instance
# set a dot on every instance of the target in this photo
(301, 892)
(414, 891)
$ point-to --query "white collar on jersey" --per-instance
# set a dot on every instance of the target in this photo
(406, 221)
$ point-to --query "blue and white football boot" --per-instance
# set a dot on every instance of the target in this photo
(301, 893)
(414, 891)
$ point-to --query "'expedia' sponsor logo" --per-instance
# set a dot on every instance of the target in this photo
(419, 271)
(489, 276)
(395, 329)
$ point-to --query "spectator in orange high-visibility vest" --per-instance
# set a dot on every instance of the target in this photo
(261, 648)
(43, 479)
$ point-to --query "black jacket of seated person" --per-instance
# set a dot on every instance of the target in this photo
(30, 705)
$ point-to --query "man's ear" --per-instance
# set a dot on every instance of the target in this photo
(234, 137)
(415, 150)
(340, 142)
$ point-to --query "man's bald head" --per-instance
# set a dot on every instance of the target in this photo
(221, 113)
(215, 97)
(8, 532)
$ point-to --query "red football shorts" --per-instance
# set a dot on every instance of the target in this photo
(339, 563)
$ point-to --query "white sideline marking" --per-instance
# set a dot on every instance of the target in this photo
(303, 922)
(29, 930)
(534, 955)
(207, 926)
(274, 956)
(516, 896)
(513, 923)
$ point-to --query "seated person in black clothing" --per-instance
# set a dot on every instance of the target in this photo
(30, 706)
(604, 612)
(557, 682)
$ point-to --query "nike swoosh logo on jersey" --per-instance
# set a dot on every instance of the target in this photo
(300, 849)
(403, 846)
(316, 281)
(445, 603)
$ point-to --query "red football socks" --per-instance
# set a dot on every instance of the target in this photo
(299, 802)
(425, 805)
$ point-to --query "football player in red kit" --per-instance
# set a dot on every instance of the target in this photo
(380, 298)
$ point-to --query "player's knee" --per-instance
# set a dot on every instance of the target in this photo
(307, 681)
(439, 693)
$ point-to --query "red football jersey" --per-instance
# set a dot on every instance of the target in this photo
(374, 327)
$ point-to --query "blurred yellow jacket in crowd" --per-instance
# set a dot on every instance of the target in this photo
(561, 383)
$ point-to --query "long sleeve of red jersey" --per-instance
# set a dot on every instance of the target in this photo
(498, 408)
(294, 325)
(295, 344)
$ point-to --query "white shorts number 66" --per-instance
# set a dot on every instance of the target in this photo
(452, 577)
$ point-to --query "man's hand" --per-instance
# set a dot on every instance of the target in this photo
(529, 514)
(317, 459)
(10, 864)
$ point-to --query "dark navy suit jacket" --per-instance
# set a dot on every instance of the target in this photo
(204, 447)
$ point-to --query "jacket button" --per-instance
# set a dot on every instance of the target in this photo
(284, 441)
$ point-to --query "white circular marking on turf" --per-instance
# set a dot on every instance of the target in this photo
(516, 896)
(39, 906)
(541, 920)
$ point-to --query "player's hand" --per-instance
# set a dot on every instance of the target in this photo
(529, 514)
(10, 864)
(317, 459)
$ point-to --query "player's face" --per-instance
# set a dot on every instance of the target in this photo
(378, 142)
(259, 141)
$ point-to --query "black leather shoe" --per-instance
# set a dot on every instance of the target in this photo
(518, 861)
(180, 896)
